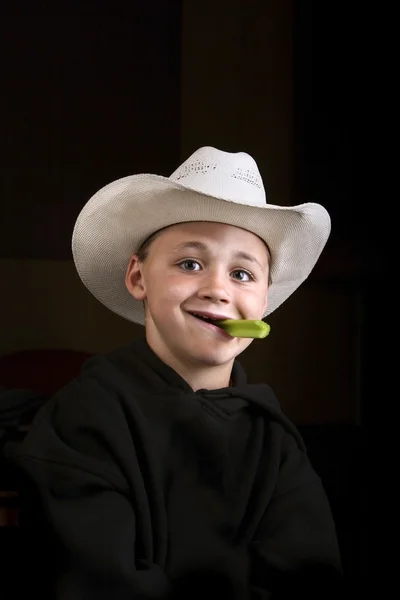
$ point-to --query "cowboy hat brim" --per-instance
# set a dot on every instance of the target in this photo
(115, 222)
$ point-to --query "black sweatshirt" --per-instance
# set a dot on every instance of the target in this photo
(156, 491)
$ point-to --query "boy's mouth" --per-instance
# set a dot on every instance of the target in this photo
(206, 319)
(211, 322)
(213, 319)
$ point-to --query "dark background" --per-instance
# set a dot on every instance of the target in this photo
(89, 97)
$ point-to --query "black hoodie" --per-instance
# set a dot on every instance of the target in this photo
(155, 491)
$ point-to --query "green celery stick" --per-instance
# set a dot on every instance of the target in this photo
(245, 328)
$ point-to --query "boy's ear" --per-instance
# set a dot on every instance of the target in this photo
(134, 279)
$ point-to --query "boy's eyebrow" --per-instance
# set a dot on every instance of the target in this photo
(194, 245)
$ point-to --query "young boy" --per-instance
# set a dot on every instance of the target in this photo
(162, 472)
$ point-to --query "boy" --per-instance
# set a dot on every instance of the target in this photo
(162, 472)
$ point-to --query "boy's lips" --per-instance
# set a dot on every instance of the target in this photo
(209, 315)
(209, 325)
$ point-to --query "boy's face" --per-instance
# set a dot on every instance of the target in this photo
(199, 267)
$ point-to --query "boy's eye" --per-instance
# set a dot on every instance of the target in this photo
(242, 275)
(238, 274)
(189, 265)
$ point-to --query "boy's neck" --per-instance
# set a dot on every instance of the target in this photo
(208, 379)
(199, 378)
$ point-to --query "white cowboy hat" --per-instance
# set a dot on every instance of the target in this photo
(211, 185)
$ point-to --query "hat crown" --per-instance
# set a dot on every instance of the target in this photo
(231, 176)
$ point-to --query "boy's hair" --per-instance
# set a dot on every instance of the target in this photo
(143, 251)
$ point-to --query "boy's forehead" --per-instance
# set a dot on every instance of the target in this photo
(202, 234)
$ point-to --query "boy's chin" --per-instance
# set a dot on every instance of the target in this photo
(215, 357)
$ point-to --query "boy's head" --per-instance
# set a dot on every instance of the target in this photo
(194, 271)
(215, 197)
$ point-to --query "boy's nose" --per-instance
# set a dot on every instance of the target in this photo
(214, 290)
